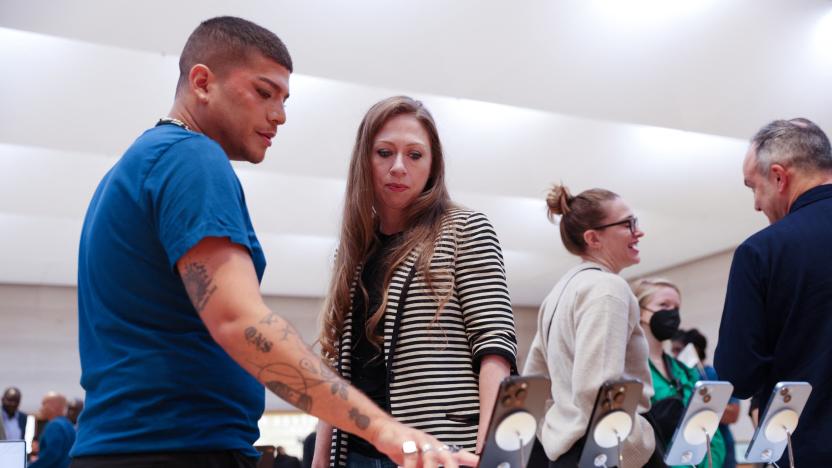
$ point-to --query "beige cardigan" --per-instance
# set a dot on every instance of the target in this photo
(594, 336)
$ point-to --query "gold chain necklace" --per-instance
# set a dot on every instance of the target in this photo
(172, 121)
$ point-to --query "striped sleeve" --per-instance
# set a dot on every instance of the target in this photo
(483, 292)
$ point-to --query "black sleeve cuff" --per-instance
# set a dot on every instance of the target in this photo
(510, 357)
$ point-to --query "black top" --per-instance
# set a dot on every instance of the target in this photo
(369, 371)
(776, 323)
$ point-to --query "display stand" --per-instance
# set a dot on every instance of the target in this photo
(520, 404)
(691, 441)
(611, 422)
(779, 421)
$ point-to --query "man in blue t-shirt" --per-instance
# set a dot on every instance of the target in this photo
(175, 339)
(776, 322)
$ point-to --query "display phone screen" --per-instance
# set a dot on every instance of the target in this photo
(520, 405)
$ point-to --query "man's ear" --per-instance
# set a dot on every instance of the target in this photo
(780, 176)
(592, 238)
(199, 80)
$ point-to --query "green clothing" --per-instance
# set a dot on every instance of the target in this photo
(687, 378)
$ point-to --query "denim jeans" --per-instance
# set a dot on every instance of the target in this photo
(356, 460)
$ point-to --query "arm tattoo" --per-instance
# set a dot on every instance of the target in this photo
(361, 420)
(293, 384)
(286, 329)
(271, 318)
(258, 340)
(198, 284)
(301, 401)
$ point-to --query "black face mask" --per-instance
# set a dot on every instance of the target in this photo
(665, 323)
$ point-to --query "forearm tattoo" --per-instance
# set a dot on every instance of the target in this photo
(361, 420)
(198, 284)
(258, 340)
(286, 328)
(293, 383)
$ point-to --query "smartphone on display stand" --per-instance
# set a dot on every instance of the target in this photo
(613, 416)
(779, 421)
(521, 404)
(699, 423)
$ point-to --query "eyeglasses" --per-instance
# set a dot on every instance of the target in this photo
(631, 222)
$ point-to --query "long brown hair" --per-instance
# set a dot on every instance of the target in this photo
(423, 221)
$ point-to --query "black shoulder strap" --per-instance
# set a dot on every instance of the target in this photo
(668, 367)
(399, 312)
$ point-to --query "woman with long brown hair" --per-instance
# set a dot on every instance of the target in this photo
(418, 314)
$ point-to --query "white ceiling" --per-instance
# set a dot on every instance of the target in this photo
(654, 99)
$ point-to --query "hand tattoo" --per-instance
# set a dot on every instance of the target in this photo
(198, 285)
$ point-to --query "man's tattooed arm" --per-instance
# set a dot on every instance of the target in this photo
(258, 340)
(295, 383)
(284, 327)
(295, 386)
(222, 285)
(198, 284)
(361, 420)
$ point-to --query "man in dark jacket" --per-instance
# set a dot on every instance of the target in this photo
(14, 421)
(777, 321)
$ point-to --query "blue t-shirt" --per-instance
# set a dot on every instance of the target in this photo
(155, 379)
(54, 444)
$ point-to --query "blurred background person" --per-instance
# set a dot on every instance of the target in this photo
(588, 327)
(308, 449)
(418, 314)
(659, 300)
(14, 421)
(706, 371)
(73, 410)
(58, 435)
(284, 460)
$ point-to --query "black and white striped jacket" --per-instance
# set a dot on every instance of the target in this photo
(432, 366)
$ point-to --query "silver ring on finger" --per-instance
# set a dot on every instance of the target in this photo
(409, 447)
(427, 448)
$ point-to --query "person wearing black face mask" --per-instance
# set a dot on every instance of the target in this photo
(673, 382)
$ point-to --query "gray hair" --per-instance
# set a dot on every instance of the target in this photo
(797, 142)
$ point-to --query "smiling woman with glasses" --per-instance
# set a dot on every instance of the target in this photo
(588, 327)
(630, 221)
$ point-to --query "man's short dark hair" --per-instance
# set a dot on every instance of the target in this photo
(227, 40)
(796, 142)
